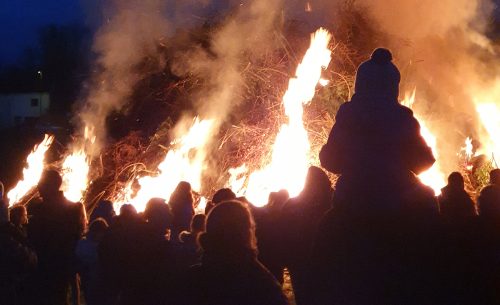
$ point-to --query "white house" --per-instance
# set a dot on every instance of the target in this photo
(17, 108)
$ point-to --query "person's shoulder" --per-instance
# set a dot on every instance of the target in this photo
(405, 110)
(489, 190)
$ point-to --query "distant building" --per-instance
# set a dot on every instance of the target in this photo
(19, 108)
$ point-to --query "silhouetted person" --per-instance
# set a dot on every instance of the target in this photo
(230, 272)
(454, 202)
(270, 233)
(190, 250)
(489, 198)
(377, 244)
(104, 209)
(88, 263)
(221, 195)
(17, 260)
(54, 229)
(375, 144)
(159, 217)
(460, 243)
(302, 216)
(489, 237)
(135, 256)
(19, 219)
(182, 205)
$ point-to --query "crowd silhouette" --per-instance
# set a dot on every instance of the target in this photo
(379, 236)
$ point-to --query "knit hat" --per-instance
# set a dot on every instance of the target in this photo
(378, 76)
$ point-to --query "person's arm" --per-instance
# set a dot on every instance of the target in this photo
(418, 154)
(331, 154)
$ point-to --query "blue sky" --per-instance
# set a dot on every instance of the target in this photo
(20, 20)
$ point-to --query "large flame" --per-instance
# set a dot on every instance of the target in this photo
(76, 167)
(75, 172)
(487, 102)
(289, 161)
(32, 172)
(433, 177)
(183, 163)
(489, 114)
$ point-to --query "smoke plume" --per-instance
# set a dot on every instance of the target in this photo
(249, 30)
(130, 31)
(443, 52)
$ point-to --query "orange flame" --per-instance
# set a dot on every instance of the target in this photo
(76, 168)
(490, 118)
(32, 172)
(185, 163)
(289, 161)
(433, 177)
(75, 171)
(487, 102)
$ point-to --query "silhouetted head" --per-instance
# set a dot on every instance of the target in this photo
(97, 228)
(456, 181)
(223, 194)
(277, 199)
(104, 209)
(182, 195)
(495, 176)
(317, 184)
(128, 211)
(49, 184)
(18, 215)
(378, 77)
(198, 223)
(230, 232)
(158, 214)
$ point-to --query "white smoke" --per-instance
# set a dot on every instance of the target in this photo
(131, 31)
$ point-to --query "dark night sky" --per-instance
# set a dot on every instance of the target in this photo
(20, 20)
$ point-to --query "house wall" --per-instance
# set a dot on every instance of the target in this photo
(15, 108)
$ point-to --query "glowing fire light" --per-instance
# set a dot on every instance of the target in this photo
(433, 177)
(185, 163)
(75, 172)
(487, 101)
(32, 172)
(468, 148)
(289, 161)
(76, 167)
(489, 114)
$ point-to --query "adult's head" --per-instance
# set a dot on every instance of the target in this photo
(182, 195)
(230, 232)
(223, 194)
(104, 209)
(277, 199)
(317, 184)
(456, 181)
(18, 215)
(495, 176)
(198, 223)
(157, 213)
(128, 212)
(97, 228)
(49, 184)
(378, 77)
